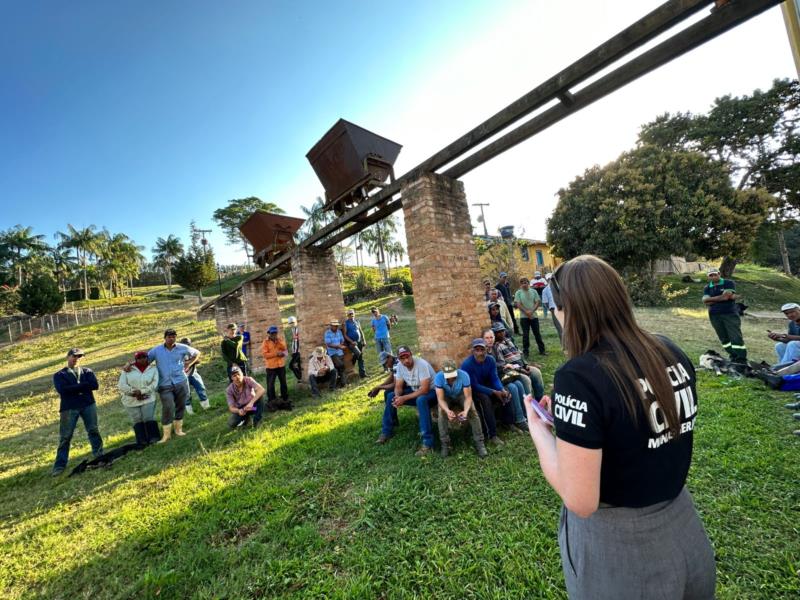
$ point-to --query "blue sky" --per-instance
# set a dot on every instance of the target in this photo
(142, 116)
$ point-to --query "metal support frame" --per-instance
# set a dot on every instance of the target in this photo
(557, 87)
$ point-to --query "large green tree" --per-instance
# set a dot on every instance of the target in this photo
(166, 254)
(237, 212)
(652, 203)
(85, 242)
(196, 269)
(22, 247)
(756, 137)
(40, 296)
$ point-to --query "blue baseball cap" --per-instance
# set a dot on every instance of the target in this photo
(503, 274)
(385, 356)
(272, 329)
(478, 342)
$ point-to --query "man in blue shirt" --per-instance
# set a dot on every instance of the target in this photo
(173, 361)
(334, 343)
(787, 345)
(413, 385)
(354, 339)
(486, 387)
(720, 297)
(454, 396)
(75, 385)
(380, 325)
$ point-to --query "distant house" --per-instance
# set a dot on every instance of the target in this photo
(529, 255)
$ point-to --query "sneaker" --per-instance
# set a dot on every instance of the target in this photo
(189, 409)
(382, 439)
(445, 450)
(796, 416)
(423, 451)
(481, 450)
(205, 404)
(56, 472)
(521, 427)
(792, 405)
(496, 441)
(797, 432)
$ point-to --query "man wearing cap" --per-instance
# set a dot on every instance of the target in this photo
(454, 396)
(504, 287)
(354, 338)
(509, 360)
(334, 342)
(196, 382)
(295, 365)
(538, 283)
(527, 301)
(174, 361)
(380, 326)
(244, 396)
(273, 349)
(231, 349)
(787, 345)
(720, 298)
(413, 385)
(486, 386)
(75, 385)
(389, 363)
(320, 369)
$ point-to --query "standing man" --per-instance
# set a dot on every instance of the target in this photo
(320, 369)
(538, 283)
(720, 298)
(454, 395)
(245, 340)
(486, 386)
(549, 303)
(354, 338)
(75, 385)
(380, 325)
(231, 349)
(244, 396)
(174, 361)
(295, 365)
(273, 349)
(334, 342)
(197, 383)
(413, 385)
(527, 301)
(504, 287)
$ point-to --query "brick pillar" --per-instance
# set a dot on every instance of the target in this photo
(317, 296)
(228, 310)
(450, 307)
(261, 309)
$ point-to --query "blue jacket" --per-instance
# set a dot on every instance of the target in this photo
(482, 376)
(74, 394)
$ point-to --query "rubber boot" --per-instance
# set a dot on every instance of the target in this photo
(140, 433)
(167, 434)
(153, 432)
(178, 427)
(189, 410)
(480, 448)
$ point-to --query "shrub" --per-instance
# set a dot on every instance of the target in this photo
(402, 276)
(646, 290)
(366, 281)
(40, 296)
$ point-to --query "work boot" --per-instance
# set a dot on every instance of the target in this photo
(521, 427)
(446, 448)
(285, 405)
(480, 448)
(496, 441)
(140, 433)
(189, 411)
(178, 426)
(272, 407)
(167, 434)
(423, 451)
(153, 433)
(382, 439)
(205, 404)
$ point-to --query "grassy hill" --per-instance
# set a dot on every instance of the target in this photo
(308, 507)
(761, 288)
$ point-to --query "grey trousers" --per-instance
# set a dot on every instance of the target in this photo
(457, 405)
(659, 552)
(173, 401)
(143, 413)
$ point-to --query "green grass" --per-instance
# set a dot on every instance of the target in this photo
(309, 507)
(761, 288)
(228, 283)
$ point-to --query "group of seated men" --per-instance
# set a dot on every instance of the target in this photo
(493, 376)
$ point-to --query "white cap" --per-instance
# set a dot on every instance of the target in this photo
(292, 320)
(790, 306)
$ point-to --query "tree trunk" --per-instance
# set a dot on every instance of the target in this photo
(787, 268)
(727, 266)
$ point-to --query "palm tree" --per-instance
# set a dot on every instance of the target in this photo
(316, 218)
(165, 255)
(85, 242)
(22, 245)
(63, 265)
(376, 238)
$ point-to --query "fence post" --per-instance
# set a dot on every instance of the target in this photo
(10, 335)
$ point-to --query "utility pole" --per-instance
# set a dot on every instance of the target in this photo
(483, 218)
(203, 239)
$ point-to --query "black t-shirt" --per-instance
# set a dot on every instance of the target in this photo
(642, 464)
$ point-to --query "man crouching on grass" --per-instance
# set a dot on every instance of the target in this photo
(454, 395)
(244, 399)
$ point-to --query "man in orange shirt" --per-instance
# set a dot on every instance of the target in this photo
(274, 351)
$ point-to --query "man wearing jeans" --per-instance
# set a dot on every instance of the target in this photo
(196, 381)
(380, 325)
(527, 301)
(354, 339)
(413, 385)
(173, 361)
(454, 395)
(274, 351)
(75, 385)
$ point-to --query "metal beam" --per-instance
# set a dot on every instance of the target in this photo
(722, 20)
